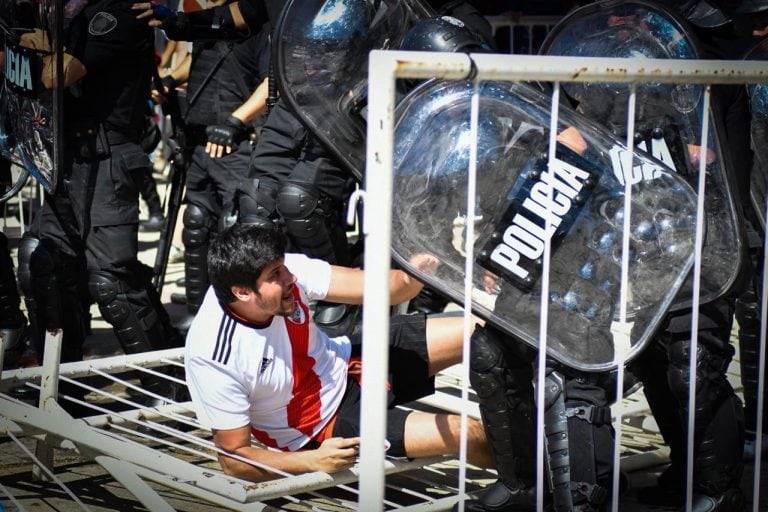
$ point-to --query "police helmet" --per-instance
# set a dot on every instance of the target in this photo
(441, 34)
(716, 13)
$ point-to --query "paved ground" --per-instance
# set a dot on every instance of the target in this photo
(94, 489)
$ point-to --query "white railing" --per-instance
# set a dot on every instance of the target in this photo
(384, 68)
(115, 441)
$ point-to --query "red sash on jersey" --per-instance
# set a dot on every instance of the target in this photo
(303, 411)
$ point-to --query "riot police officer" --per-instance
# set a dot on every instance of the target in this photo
(226, 99)
(83, 243)
(663, 367)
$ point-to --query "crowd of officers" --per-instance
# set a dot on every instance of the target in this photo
(249, 159)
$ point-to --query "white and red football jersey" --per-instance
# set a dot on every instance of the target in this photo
(285, 379)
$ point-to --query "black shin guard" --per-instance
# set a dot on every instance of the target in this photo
(579, 442)
(137, 324)
(196, 234)
(719, 422)
(748, 317)
(557, 441)
(501, 374)
(53, 297)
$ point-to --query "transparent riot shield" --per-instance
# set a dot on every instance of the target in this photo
(668, 119)
(581, 196)
(758, 99)
(30, 134)
(321, 64)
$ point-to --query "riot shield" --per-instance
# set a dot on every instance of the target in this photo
(668, 118)
(320, 51)
(758, 99)
(30, 131)
(576, 201)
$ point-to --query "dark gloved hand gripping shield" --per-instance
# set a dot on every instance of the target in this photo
(29, 113)
(321, 64)
(668, 119)
(580, 193)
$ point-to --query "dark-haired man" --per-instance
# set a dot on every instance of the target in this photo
(257, 365)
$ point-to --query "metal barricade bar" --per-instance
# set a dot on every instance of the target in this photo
(384, 68)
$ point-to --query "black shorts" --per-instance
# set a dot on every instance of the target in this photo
(409, 380)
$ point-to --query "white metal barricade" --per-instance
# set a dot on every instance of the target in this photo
(384, 68)
(150, 451)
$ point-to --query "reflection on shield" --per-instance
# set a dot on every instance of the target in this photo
(576, 202)
(668, 118)
(758, 100)
(29, 134)
(321, 52)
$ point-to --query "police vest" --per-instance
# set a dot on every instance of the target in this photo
(216, 86)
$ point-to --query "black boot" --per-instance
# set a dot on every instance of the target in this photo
(732, 500)
(498, 497)
(669, 490)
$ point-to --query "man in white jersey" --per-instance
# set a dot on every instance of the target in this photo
(258, 366)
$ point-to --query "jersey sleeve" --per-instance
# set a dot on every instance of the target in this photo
(219, 399)
(312, 274)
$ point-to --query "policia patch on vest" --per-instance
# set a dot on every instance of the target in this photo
(102, 23)
(545, 204)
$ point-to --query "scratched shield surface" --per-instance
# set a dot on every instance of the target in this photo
(668, 122)
(575, 201)
(28, 109)
(758, 100)
(321, 52)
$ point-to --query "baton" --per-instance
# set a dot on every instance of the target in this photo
(178, 178)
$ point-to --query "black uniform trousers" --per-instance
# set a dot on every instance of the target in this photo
(91, 224)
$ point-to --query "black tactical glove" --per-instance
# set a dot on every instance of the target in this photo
(168, 83)
(229, 134)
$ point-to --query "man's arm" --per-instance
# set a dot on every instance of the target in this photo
(176, 77)
(223, 139)
(334, 454)
(222, 22)
(347, 283)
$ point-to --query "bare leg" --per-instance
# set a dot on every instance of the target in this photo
(428, 435)
(445, 336)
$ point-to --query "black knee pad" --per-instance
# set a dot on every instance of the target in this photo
(109, 294)
(255, 202)
(497, 364)
(129, 310)
(312, 222)
(297, 201)
(712, 360)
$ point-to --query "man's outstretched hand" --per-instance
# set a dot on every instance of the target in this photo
(424, 262)
(335, 454)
